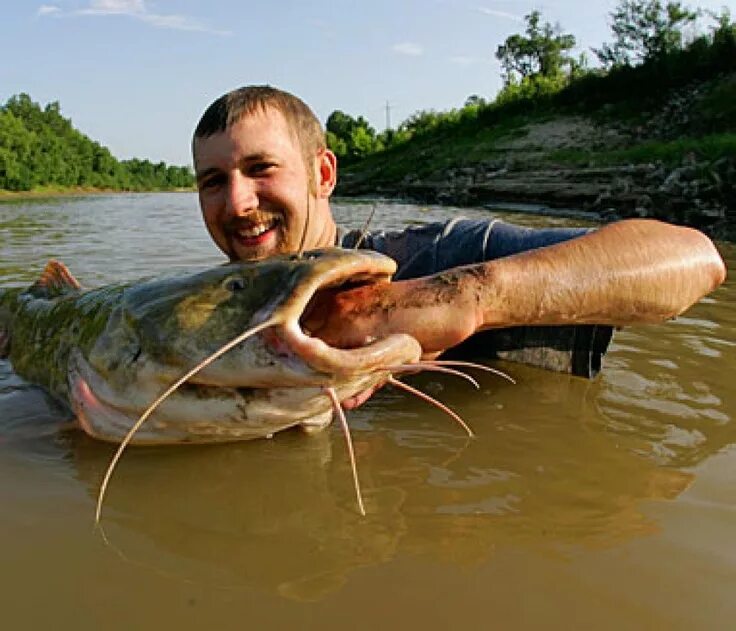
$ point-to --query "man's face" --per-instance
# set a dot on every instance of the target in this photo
(254, 189)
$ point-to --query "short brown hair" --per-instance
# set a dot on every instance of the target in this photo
(231, 107)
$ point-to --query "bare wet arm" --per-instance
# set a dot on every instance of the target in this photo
(631, 272)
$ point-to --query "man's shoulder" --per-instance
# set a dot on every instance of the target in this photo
(369, 238)
(424, 249)
(433, 247)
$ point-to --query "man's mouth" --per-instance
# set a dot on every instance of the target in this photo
(253, 233)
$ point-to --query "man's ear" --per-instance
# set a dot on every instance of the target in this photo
(326, 173)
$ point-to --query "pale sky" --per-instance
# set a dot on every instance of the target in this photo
(135, 75)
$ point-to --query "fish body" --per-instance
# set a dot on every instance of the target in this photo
(109, 352)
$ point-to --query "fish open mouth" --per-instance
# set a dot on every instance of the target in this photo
(333, 274)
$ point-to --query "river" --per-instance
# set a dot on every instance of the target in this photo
(602, 504)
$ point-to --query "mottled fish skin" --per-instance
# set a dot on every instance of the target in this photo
(43, 329)
(109, 352)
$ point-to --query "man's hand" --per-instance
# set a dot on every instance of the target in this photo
(437, 311)
(356, 317)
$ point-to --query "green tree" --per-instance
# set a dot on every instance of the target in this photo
(391, 137)
(16, 151)
(644, 30)
(350, 138)
(340, 124)
(543, 50)
(421, 122)
(38, 147)
(724, 31)
(336, 144)
(475, 101)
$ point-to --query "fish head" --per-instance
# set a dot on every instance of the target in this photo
(274, 379)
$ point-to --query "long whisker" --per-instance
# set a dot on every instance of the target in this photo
(428, 399)
(421, 366)
(142, 419)
(364, 229)
(462, 364)
(351, 452)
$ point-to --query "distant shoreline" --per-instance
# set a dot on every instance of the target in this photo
(78, 191)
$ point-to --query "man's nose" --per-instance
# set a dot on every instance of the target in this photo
(241, 196)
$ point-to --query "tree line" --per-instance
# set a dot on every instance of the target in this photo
(649, 54)
(41, 148)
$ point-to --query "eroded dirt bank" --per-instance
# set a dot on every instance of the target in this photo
(556, 163)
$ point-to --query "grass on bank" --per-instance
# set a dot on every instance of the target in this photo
(430, 154)
(707, 148)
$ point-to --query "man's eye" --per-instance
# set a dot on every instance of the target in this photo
(260, 168)
(211, 182)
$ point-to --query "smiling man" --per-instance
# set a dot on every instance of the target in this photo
(548, 297)
(264, 175)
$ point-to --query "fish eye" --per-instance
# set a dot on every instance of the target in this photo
(234, 284)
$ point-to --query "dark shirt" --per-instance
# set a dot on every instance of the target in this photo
(424, 250)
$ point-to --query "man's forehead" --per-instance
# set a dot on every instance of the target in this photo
(265, 128)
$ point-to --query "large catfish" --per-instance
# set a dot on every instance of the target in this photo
(109, 352)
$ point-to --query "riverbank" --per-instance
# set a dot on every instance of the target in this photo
(665, 163)
(74, 191)
(559, 164)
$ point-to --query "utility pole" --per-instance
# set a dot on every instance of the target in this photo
(388, 115)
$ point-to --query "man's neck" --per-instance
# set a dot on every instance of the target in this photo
(328, 233)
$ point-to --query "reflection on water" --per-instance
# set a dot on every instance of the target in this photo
(562, 472)
(280, 515)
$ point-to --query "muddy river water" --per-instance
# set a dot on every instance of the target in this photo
(604, 504)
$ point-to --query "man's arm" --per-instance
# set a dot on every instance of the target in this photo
(630, 272)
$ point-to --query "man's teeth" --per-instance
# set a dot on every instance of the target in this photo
(256, 229)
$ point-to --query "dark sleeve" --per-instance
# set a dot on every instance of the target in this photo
(577, 350)
(424, 250)
(415, 249)
(428, 249)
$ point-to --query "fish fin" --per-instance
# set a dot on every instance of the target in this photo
(55, 280)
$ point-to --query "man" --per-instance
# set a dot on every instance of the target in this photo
(265, 178)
